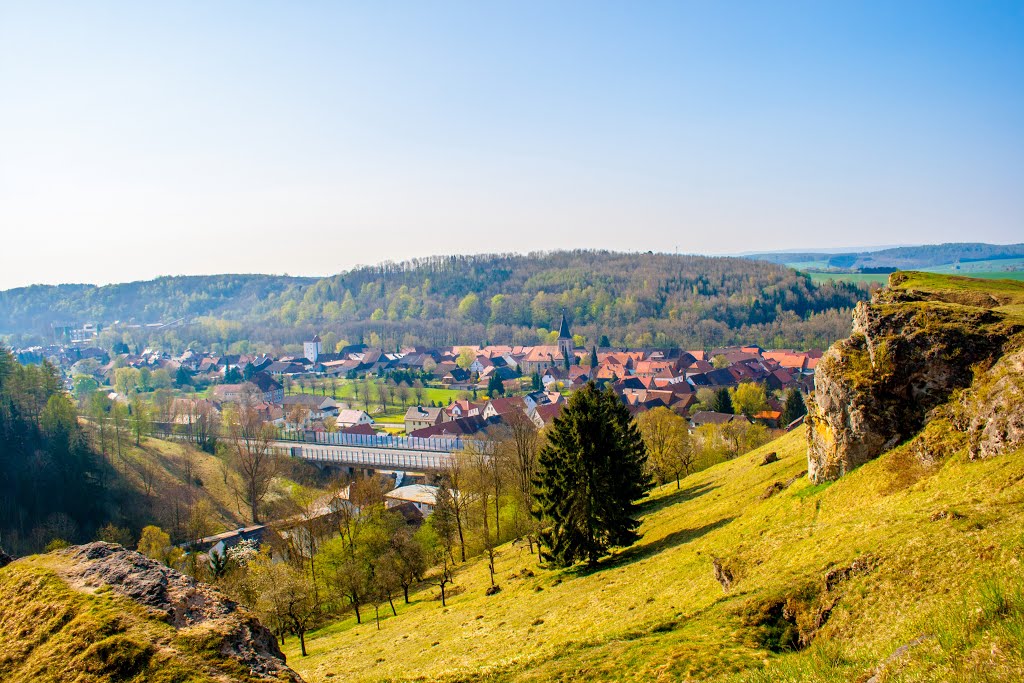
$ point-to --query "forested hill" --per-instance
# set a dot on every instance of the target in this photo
(36, 308)
(633, 299)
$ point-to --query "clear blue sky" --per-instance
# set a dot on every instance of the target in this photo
(139, 139)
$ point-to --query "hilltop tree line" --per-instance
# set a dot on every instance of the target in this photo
(632, 299)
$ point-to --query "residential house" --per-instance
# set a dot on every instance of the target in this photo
(422, 496)
(420, 417)
(351, 418)
(544, 415)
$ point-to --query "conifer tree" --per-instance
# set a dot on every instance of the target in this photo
(495, 387)
(794, 407)
(593, 359)
(591, 474)
(723, 402)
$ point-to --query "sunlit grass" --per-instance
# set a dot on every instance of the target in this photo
(655, 611)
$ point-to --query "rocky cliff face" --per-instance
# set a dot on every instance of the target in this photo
(910, 350)
(99, 612)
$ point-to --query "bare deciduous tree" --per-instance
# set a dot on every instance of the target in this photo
(456, 475)
(517, 444)
(252, 454)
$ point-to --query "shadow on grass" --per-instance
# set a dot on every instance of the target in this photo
(644, 550)
(680, 496)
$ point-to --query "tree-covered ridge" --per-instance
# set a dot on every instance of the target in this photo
(632, 299)
(34, 309)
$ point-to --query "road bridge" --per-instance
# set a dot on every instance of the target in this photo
(374, 451)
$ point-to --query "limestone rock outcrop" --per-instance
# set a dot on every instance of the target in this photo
(909, 351)
(993, 411)
(180, 601)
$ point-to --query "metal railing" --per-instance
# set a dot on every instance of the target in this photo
(374, 458)
(436, 444)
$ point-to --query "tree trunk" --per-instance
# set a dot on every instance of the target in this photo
(462, 540)
(302, 642)
(405, 589)
(359, 618)
(391, 602)
(497, 518)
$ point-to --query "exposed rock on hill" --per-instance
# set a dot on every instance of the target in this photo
(911, 348)
(5, 559)
(993, 412)
(113, 614)
(181, 601)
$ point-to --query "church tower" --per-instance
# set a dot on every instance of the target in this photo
(565, 343)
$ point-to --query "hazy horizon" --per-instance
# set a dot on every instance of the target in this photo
(189, 139)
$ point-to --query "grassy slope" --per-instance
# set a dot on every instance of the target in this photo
(52, 632)
(655, 612)
(167, 457)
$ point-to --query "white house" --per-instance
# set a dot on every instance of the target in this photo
(350, 418)
(423, 496)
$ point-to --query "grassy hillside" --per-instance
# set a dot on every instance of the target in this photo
(1003, 295)
(892, 554)
(155, 472)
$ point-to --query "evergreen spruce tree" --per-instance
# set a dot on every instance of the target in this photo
(723, 402)
(593, 359)
(495, 387)
(794, 407)
(591, 475)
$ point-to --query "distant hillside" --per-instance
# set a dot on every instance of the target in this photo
(34, 309)
(633, 299)
(902, 258)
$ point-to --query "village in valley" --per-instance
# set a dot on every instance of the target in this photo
(434, 392)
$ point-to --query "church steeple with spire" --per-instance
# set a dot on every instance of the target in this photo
(565, 343)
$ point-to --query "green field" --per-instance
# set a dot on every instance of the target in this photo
(981, 268)
(880, 278)
(883, 278)
(345, 391)
(1017, 275)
